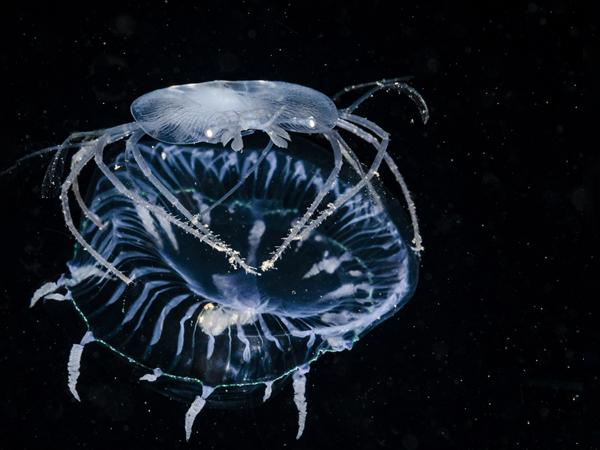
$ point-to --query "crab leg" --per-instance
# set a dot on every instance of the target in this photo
(298, 227)
(417, 240)
(233, 256)
(80, 160)
(381, 151)
(244, 177)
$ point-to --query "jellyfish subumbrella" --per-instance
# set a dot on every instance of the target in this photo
(231, 235)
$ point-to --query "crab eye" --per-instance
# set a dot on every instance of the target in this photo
(311, 122)
(209, 133)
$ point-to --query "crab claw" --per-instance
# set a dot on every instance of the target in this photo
(237, 143)
(278, 135)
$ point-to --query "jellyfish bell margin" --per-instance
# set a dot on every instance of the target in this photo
(218, 331)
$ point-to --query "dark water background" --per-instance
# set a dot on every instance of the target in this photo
(499, 348)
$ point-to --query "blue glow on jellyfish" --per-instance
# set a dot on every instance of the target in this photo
(220, 261)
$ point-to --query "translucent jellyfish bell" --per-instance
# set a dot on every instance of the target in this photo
(181, 231)
(194, 320)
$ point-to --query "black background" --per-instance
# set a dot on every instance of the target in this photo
(499, 346)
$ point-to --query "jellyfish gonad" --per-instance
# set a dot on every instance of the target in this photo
(231, 235)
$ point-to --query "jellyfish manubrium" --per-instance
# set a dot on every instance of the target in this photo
(231, 235)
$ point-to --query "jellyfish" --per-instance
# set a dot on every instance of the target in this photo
(230, 236)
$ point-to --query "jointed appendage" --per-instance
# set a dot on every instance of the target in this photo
(350, 122)
(233, 256)
(298, 227)
(417, 240)
(92, 216)
(398, 85)
(354, 87)
(92, 145)
(240, 182)
(392, 84)
(381, 147)
(302, 232)
(354, 162)
(80, 160)
(55, 169)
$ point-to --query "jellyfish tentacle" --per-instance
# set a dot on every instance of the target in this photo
(299, 226)
(299, 384)
(212, 239)
(80, 161)
(137, 199)
(267, 332)
(375, 129)
(240, 182)
(195, 408)
(74, 363)
(381, 148)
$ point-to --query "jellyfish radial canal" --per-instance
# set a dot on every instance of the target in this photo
(203, 331)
